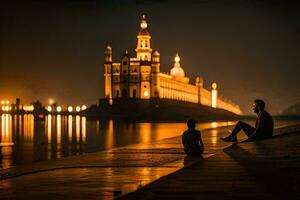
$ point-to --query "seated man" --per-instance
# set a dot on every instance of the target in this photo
(263, 125)
(191, 140)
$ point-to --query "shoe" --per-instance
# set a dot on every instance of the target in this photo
(229, 139)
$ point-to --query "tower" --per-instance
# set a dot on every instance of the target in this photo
(107, 73)
(125, 62)
(143, 49)
(214, 95)
(155, 70)
(199, 84)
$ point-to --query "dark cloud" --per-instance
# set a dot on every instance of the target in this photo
(55, 48)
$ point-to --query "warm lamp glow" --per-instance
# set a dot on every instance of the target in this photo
(7, 102)
(77, 108)
(58, 108)
(214, 86)
(51, 101)
(2, 102)
(70, 108)
(146, 93)
(83, 107)
(49, 108)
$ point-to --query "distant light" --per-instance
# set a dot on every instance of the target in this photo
(3, 108)
(32, 108)
(7, 102)
(2, 102)
(58, 108)
(214, 85)
(70, 108)
(77, 108)
(49, 108)
(83, 107)
(51, 101)
(6, 108)
(146, 93)
(214, 124)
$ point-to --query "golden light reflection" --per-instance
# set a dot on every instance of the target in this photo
(145, 129)
(58, 132)
(70, 127)
(6, 136)
(214, 124)
(110, 135)
(83, 129)
(28, 127)
(77, 127)
(49, 126)
(214, 139)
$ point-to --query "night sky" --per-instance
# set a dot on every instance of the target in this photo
(54, 49)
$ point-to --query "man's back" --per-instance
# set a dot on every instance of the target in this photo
(191, 140)
(264, 125)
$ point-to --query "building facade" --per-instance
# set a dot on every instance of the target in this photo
(140, 77)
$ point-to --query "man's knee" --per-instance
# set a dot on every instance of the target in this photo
(241, 123)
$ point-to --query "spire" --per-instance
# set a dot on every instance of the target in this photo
(143, 48)
(177, 60)
(143, 23)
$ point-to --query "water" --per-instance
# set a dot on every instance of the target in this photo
(25, 140)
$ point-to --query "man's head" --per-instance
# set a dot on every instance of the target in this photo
(259, 105)
(191, 123)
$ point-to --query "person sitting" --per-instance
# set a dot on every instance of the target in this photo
(263, 129)
(191, 140)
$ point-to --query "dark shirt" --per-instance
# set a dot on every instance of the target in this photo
(264, 126)
(192, 142)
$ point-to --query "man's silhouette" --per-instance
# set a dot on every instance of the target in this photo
(191, 140)
(263, 125)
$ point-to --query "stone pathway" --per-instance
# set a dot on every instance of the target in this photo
(268, 169)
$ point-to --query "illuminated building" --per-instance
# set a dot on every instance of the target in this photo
(140, 77)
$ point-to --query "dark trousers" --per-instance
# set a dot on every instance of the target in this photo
(248, 129)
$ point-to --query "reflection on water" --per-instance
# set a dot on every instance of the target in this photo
(24, 139)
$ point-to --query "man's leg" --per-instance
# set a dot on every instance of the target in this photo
(248, 130)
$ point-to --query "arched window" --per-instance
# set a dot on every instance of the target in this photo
(134, 93)
(124, 93)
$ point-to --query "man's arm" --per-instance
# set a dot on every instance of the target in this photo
(183, 139)
(200, 140)
(258, 128)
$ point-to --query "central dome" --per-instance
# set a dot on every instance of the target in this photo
(177, 71)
